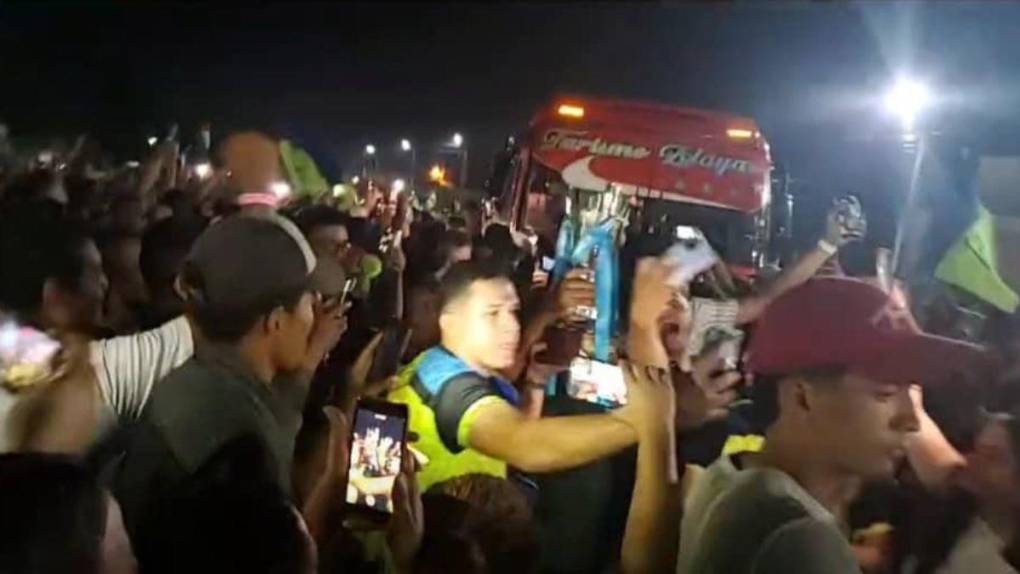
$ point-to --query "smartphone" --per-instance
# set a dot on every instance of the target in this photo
(597, 382)
(548, 263)
(850, 215)
(349, 285)
(386, 360)
(691, 254)
(27, 355)
(728, 344)
(376, 456)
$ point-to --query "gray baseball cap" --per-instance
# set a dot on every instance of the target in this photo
(247, 261)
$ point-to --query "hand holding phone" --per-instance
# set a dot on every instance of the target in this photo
(691, 255)
(377, 450)
(596, 382)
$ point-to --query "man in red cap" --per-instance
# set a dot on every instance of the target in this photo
(833, 362)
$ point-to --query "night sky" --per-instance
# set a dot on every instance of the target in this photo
(338, 77)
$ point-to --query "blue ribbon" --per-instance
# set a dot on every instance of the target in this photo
(564, 249)
(607, 288)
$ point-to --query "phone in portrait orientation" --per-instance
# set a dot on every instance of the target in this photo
(386, 360)
(27, 355)
(597, 382)
(345, 294)
(376, 453)
(691, 254)
(728, 343)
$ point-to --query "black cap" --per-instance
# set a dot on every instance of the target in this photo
(247, 261)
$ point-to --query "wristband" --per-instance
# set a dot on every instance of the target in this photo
(827, 247)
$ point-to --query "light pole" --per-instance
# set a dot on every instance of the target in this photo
(405, 145)
(369, 166)
(907, 100)
(457, 143)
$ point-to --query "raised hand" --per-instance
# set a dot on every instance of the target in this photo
(651, 401)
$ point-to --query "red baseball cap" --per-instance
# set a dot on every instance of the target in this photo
(839, 322)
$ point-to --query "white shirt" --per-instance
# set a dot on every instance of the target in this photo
(127, 367)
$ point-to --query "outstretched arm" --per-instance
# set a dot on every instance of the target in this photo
(544, 444)
(836, 235)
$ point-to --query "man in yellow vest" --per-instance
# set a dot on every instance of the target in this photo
(467, 417)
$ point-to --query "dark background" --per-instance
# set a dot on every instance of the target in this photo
(335, 77)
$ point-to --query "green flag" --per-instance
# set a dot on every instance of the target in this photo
(304, 175)
(970, 264)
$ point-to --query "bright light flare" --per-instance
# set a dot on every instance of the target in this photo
(437, 173)
(907, 99)
(740, 133)
(405, 145)
(152, 140)
(370, 149)
(280, 189)
(203, 170)
(458, 140)
(571, 111)
(398, 186)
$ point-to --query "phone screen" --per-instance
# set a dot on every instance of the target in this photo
(597, 382)
(691, 255)
(26, 354)
(377, 443)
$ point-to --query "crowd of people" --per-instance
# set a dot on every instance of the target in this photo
(213, 342)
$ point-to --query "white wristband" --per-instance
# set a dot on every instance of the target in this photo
(827, 247)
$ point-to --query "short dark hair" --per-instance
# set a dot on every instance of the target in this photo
(36, 246)
(228, 323)
(491, 512)
(314, 216)
(165, 246)
(765, 394)
(54, 515)
(463, 275)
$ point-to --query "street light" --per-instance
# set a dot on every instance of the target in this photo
(437, 174)
(203, 170)
(907, 99)
(458, 144)
(405, 145)
(152, 140)
(370, 149)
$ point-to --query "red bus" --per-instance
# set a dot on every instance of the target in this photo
(679, 166)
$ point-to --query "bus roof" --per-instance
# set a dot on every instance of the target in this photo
(654, 150)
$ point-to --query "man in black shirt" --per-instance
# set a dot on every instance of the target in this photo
(251, 294)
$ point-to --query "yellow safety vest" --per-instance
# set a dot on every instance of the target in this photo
(419, 383)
